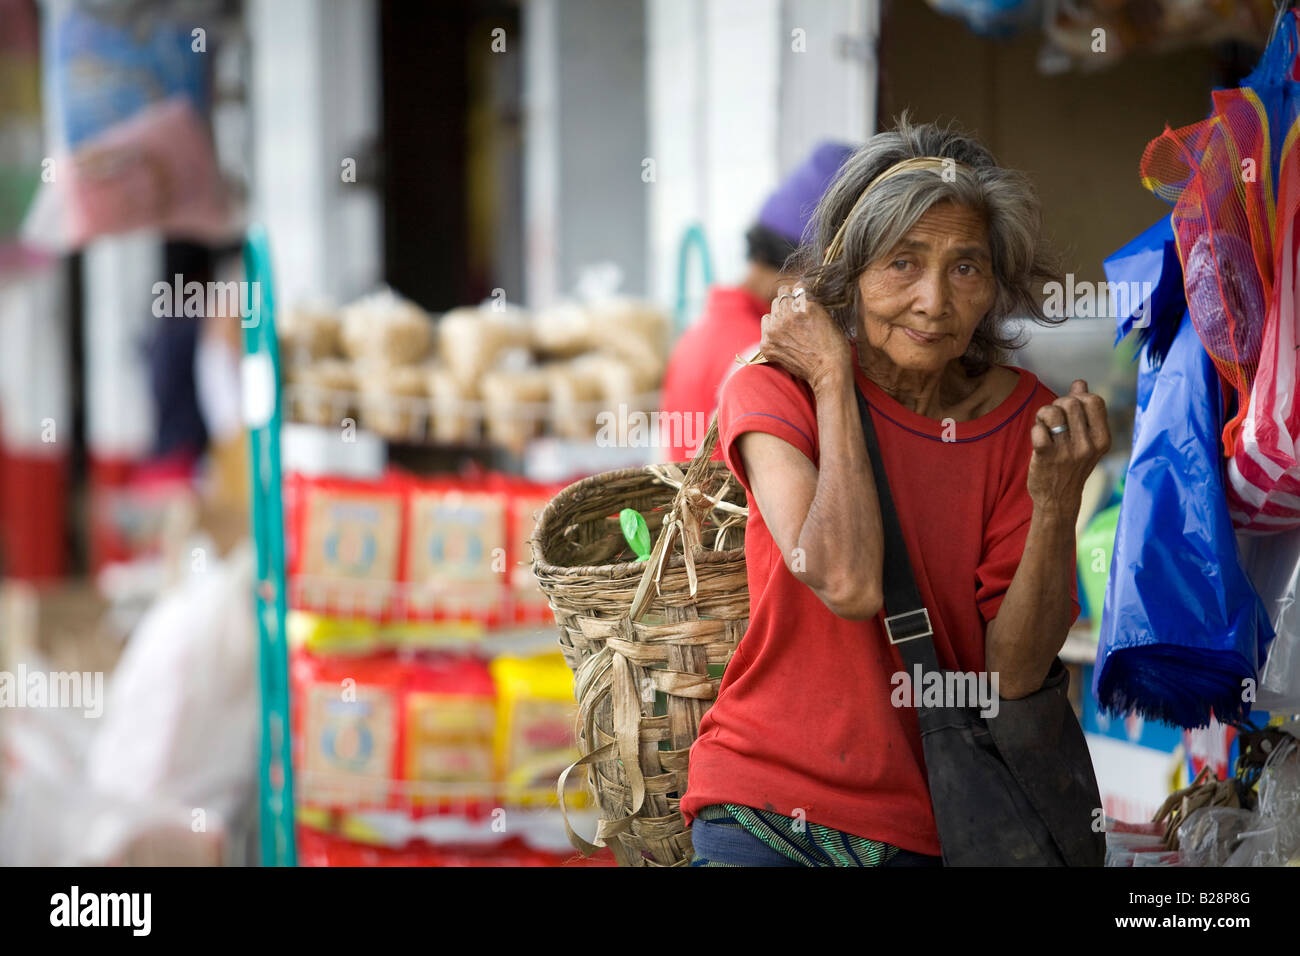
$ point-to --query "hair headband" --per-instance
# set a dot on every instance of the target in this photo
(902, 166)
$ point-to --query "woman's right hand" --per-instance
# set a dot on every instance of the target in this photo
(800, 336)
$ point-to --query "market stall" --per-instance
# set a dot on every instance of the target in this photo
(364, 517)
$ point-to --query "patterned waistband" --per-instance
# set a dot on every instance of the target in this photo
(809, 844)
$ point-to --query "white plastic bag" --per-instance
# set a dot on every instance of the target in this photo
(1266, 836)
(1272, 562)
(180, 719)
(174, 752)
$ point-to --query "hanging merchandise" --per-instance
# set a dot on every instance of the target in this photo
(1216, 175)
(1264, 471)
(993, 18)
(1266, 830)
(130, 96)
(1273, 563)
(1234, 181)
(1089, 34)
(1151, 257)
(21, 155)
(448, 727)
(109, 61)
(1174, 544)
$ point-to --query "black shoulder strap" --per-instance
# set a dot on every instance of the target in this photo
(907, 622)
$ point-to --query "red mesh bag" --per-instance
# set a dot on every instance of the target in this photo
(1216, 173)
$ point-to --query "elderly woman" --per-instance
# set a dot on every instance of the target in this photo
(923, 248)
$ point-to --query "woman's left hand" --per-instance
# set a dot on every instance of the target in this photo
(1062, 461)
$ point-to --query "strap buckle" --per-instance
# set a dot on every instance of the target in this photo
(908, 626)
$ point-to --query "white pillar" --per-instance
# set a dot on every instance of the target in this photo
(35, 398)
(118, 276)
(828, 91)
(584, 199)
(542, 152)
(733, 107)
(315, 100)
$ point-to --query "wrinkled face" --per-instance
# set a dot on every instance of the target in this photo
(922, 302)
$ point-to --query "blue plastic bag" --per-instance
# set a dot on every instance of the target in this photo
(1183, 630)
(993, 18)
(1151, 258)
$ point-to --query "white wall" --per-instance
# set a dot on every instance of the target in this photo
(541, 151)
(118, 274)
(34, 364)
(585, 95)
(732, 107)
(315, 99)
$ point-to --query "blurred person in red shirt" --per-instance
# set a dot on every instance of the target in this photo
(706, 353)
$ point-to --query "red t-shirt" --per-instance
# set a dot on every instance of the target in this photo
(803, 719)
(702, 359)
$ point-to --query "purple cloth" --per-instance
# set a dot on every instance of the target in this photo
(789, 208)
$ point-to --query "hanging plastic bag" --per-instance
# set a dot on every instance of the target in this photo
(130, 91)
(155, 170)
(1234, 182)
(1210, 835)
(1149, 263)
(1223, 223)
(1273, 564)
(1182, 628)
(1268, 835)
(993, 18)
(1264, 470)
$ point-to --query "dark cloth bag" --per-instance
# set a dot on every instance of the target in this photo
(1015, 789)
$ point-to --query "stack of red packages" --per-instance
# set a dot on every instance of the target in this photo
(380, 731)
(323, 849)
(525, 501)
(346, 541)
(401, 549)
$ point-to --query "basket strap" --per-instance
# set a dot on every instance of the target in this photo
(681, 519)
(605, 828)
(627, 726)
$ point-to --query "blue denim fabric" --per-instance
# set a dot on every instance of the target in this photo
(717, 844)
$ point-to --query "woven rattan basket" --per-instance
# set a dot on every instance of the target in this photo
(647, 640)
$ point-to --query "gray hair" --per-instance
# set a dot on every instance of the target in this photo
(1007, 200)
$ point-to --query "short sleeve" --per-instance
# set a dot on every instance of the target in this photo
(1007, 531)
(763, 398)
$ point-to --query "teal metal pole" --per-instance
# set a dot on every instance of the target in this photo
(261, 384)
(692, 239)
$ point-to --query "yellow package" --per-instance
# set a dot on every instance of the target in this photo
(449, 730)
(536, 735)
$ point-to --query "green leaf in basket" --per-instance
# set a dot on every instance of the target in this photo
(635, 532)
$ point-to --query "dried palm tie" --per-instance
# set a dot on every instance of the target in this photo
(1204, 791)
(647, 640)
